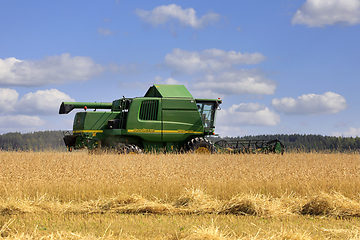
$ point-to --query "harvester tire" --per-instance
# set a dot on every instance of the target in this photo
(128, 149)
(132, 149)
(200, 145)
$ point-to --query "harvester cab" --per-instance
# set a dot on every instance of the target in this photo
(207, 110)
(167, 118)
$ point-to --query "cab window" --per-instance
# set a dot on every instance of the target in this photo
(206, 111)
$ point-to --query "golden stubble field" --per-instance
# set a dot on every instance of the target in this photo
(56, 195)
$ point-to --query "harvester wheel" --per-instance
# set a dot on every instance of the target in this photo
(132, 149)
(200, 145)
(128, 149)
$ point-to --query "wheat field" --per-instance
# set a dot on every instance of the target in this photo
(57, 195)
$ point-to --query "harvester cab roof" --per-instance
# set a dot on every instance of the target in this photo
(168, 91)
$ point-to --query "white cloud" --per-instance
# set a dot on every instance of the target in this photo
(233, 82)
(20, 122)
(351, 132)
(8, 98)
(222, 77)
(42, 102)
(317, 13)
(53, 69)
(105, 31)
(67, 123)
(213, 60)
(232, 131)
(167, 13)
(247, 114)
(159, 80)
(311, 104)
(21, 115)
(205, 93)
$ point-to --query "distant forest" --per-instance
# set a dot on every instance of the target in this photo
(53, 140)
(36, 141)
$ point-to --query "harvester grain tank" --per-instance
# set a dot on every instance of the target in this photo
(166, 118)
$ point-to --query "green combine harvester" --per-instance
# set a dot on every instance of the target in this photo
(166, 119)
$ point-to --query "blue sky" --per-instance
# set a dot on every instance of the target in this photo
(282, 66)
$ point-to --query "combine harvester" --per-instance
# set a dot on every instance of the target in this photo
(166, 119)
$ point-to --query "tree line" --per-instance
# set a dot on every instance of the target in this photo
(36, 141)
(53, 140)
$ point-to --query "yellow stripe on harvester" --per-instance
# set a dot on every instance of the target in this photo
(147, 130)
(140, 130)
(88, 131)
